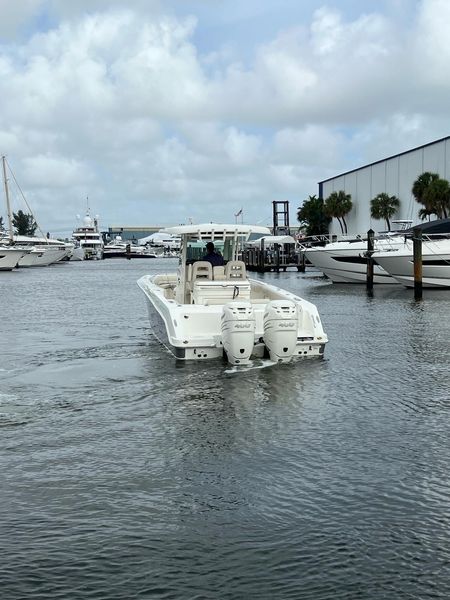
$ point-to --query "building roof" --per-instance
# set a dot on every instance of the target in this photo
(384, 159)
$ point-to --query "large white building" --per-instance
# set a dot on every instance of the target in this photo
(394, 176)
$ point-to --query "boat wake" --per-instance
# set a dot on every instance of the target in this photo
(255, 364)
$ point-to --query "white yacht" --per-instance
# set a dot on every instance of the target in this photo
(88, 240)
(435, 263)
(42, 251)
(36, 251)
(10, 256)
(345, 261)
(118, 248)
(205, 312)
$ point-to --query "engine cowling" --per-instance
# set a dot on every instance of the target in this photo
(238, 331)
(280, 329)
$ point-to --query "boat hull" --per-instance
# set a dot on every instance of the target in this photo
(42, 257)
(9, 258)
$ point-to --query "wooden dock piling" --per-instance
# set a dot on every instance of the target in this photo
(417, 255)
(370, 250)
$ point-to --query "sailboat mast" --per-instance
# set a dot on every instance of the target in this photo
(8, 205)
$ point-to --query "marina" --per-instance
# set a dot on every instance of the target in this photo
(258, 408)
(127, 474)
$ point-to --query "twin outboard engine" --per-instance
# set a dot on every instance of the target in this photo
(280, 329)
(238, 331)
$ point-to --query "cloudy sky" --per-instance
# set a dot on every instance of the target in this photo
(164, 111)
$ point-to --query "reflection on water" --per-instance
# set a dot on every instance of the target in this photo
(126, 474)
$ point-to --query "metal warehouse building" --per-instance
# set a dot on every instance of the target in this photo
(395, 176)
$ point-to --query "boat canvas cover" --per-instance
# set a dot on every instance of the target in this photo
(439, 226)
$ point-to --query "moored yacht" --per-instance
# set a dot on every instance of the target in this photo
(435, 257)
(345, 261)
(205, 312)
(88, 240)
(10, 256)
(42, 251)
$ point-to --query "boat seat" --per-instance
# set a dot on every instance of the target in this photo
(202, 269)
(235, 269)
(219, 273)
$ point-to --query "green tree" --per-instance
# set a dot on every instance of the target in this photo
(384, 207)
(421, 184)
(24, 224)
(338, 205)
(311, 215)
(437, 197)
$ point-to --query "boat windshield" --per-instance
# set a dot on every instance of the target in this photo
(196, 250)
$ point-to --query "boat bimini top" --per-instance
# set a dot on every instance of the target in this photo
(216, 231)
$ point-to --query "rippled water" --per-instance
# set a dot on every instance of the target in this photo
(127, 475)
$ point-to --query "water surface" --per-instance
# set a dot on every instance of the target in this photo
(128, 475)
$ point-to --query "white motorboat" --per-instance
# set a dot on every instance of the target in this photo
(346, 261)
(205, 312)
(10, 256)
(118, 248)
(435, 263)
(88, 240)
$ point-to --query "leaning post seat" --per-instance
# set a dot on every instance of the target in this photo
(235, 269)
(202, 269)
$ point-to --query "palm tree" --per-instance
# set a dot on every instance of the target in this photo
(312, 216)
(338, 205)
(384, 207)
(437, 197)
(421, 184)
(424, 213)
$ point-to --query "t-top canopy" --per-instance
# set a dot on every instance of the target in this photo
(217, 230)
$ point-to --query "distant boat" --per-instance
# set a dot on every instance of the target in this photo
(88, 240)
(10, 256)
(42, 251)
(36, 251)
(118, 248)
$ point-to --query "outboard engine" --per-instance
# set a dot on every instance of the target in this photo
(238, 331)
(280, 329)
